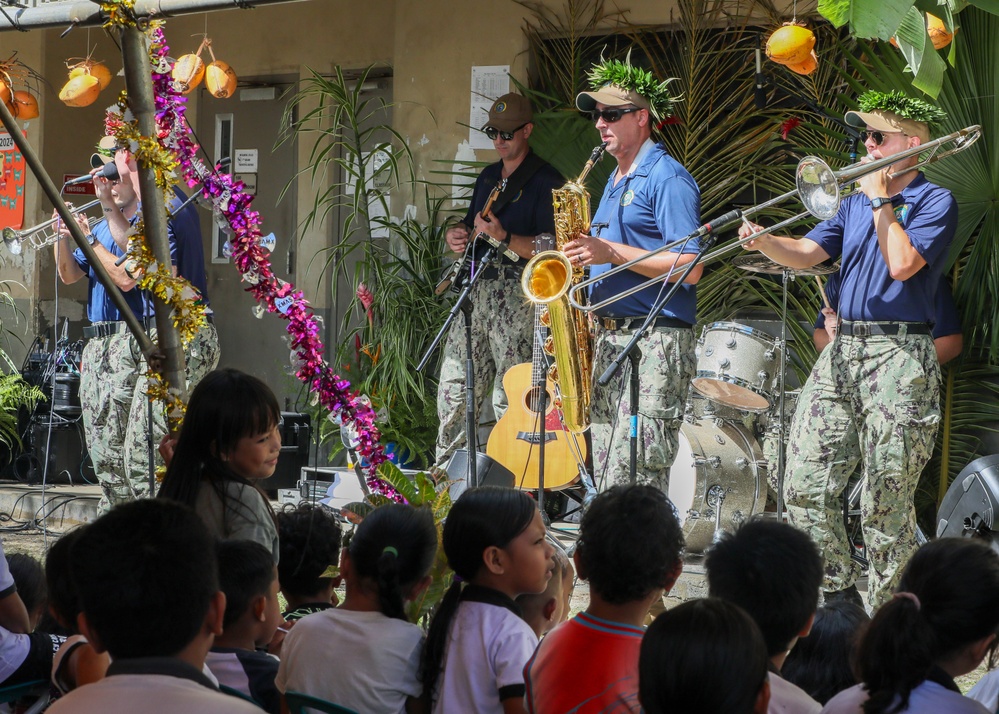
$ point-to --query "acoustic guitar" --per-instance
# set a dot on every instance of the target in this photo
(514, 441)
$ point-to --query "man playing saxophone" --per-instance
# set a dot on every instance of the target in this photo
(650, 200)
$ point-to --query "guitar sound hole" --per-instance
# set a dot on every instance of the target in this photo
(537, 399)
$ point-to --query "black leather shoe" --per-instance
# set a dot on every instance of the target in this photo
(848, 594)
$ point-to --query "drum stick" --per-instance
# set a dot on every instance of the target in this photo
(822, 292)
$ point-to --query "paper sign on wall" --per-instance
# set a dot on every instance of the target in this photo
(245, 161)
(488, 83)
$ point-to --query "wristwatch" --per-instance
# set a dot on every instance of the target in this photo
(91, 238)
(878, 202)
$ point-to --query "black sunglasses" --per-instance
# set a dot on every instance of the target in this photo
(609, 115)
(878, 136)
(492, 132)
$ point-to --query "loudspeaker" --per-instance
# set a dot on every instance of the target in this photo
(296, 442)
(68, 459)
(969, 508)
(487, 472)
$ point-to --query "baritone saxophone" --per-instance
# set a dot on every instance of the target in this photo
(546, 281)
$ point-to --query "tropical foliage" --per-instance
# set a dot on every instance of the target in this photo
(383, 267)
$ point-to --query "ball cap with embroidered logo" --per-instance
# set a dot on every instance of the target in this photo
(611, 96)
(510, 112)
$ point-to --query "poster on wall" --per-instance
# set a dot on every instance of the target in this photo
(11, 183)
(488, 83)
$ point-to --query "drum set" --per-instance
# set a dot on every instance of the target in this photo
(730, 455)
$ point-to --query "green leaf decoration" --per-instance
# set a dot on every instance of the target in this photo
(394, 477)
(869, 19)
(924, 61)
(635, 79)
(899, 103)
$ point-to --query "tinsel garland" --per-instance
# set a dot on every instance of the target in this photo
(175, 150)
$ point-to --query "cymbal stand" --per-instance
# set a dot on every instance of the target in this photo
(787, 275)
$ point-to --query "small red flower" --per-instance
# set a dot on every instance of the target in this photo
(788, 126)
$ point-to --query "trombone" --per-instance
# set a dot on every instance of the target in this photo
(819, 189)
(40, 236)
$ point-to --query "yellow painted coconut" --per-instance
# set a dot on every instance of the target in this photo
(938, 32)
(808, 66)
(80, 91)
(220, 79)
(188, 73)
(91, 67)
(5, 93)
(25, 105)
(790, 44)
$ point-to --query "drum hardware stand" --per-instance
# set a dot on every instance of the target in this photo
(464, 305)
(787, 275)
(715, 498)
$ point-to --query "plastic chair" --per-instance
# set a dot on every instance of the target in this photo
(297, 703)
(236, 693)
(38, 688)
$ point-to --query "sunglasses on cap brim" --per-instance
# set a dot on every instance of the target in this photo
(609, 115)
(878, 136)
(492, 132)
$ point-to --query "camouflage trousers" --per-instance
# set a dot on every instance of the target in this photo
(664, 372)
(502, 327)
(870, 400)
(116, 410)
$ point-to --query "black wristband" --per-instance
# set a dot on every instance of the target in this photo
(506, 240)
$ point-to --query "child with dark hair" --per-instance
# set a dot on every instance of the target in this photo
(309, 537)
(248, 578)
(630, 550)
(77, 662)
(30, 581)
(773, 571)
(377, 651)
(231, 440)
(549, 608)
(477, 646)
(821, 663)
(940, 624)
(703, 657)
(147, 579)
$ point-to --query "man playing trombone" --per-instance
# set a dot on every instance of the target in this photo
(650, 200)
(873, 394)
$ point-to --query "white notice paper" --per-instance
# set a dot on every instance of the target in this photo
(245, 161)
(488, 83)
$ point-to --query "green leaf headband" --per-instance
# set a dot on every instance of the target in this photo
(635, 79)
(897, 102)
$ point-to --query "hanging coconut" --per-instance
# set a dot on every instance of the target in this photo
(790, 44)
(93, 68)
(188, 73)
(25, 105)
(937, 31)
(808, 66)
(220, 79)
(80, 91)
(5, 91)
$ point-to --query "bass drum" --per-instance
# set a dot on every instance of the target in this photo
(737, 365)
(717, 470)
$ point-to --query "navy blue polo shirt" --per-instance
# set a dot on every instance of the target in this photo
(928, 214)
(947, 321)
(658, 203)
(99, 305)
(529, 213)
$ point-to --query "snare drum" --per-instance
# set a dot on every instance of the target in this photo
(737, 365)
(699, 407)
(717, 470)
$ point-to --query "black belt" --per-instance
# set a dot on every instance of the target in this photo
(102, 329)
(493, 272)
(867, 329)
(622, 324)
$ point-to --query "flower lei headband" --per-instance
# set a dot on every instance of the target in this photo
(635, 79)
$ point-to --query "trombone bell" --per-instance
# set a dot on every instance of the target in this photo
(12, 240)
(818, 187)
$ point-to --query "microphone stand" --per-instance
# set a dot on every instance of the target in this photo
(464, 305)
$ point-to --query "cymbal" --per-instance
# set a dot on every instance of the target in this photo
(759, 263)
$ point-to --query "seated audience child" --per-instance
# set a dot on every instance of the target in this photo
(477, 646)
(147, 580)
(365, 654)
(939, 625)
(24, 655)
(77, 662)
(231, 439)
(30, 581)
(772, 571)
(309, 538)
(248, 578)
(549, 608)
(821, 663)
(630, 550)
(703, 657)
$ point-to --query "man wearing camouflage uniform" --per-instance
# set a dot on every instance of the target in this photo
(650, 200)
(875, 389)
(112, 381)
(502, 318)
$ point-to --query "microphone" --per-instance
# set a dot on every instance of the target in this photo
(500, 246)
(760, 93)
(109, 171)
